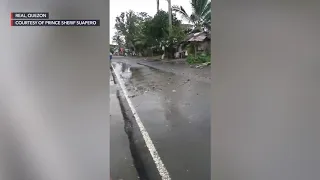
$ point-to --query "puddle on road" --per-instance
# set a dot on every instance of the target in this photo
(124, 70)
(170, 96)
(139, 80)
(129, 75)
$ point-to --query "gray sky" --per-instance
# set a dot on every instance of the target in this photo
(148, 6)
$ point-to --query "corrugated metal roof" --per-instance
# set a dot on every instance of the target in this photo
(188, 37)
(198, 37)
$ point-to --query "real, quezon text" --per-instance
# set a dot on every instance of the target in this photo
(30, 15)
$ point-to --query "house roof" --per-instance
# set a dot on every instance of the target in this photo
(195, 37)
(187, 38)
(199, 37)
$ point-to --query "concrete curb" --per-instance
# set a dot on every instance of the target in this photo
(150, 66)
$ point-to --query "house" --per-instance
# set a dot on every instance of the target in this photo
(201, 40)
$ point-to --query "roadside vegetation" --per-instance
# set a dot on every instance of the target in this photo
(149, 36)
(201, 58)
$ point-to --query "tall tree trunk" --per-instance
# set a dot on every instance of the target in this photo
(158, 4)
(170, 16)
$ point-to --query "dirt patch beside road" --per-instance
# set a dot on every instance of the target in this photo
(180, 68)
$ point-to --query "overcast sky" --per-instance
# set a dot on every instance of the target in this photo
(148, 6)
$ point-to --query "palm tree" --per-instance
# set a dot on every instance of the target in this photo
(200, 16)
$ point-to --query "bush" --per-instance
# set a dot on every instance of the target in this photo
(201, 58)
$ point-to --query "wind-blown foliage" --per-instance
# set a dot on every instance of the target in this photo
(143, 33)
(117, 38)
(128, 26)
(200, 16)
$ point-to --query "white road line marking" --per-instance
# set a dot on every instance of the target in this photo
(152, 149)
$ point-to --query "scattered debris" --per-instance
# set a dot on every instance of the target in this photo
(173, 90)
(200, 66)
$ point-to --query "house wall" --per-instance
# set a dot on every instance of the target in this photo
(204, 46)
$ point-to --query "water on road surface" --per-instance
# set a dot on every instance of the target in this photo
(174, 110)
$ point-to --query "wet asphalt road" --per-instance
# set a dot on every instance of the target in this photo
(175, 111)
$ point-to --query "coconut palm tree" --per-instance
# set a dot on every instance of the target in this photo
(200, 16)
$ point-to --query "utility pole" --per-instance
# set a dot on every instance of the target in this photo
(170, 24)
